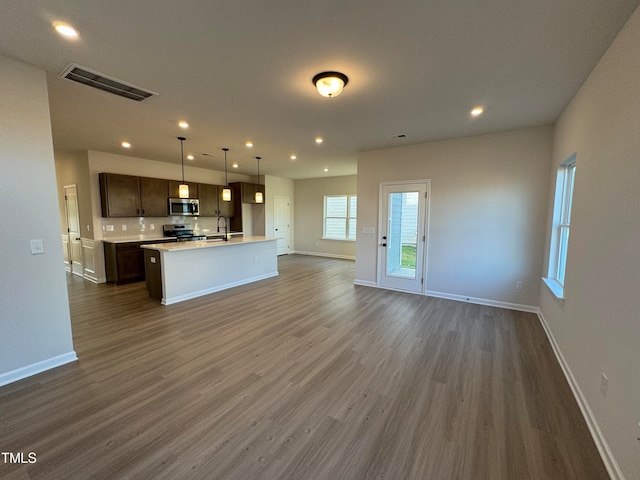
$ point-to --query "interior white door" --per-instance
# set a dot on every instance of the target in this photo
(402, 241)
(281, 224)
(73, 226)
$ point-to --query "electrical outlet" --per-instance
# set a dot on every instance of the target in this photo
(109, 228)
(152, 226)
(604, 385)
(124, 227)
(519, 285)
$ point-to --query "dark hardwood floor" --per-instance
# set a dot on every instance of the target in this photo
(302, 376)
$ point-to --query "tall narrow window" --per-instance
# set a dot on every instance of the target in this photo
(340, 217)
(561, 225)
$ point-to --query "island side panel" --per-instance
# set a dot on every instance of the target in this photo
(195, 272)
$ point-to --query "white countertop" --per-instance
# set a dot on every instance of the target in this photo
(179, 246)
(144, 238)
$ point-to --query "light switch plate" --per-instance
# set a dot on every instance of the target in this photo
(37, 247)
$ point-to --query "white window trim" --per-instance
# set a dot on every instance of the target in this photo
(561, 220)
(347, 218)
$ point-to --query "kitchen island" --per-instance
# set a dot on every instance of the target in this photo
(180, 271)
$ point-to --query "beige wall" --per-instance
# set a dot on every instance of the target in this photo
(309, 216)
(597, 327)
(73, 169)
(36, 325)
(487, 216)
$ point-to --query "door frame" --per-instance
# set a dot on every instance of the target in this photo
(425, 242)
(74, 270)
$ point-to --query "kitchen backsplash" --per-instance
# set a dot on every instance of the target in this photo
(151, 227)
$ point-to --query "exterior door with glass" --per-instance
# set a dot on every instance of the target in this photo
(402, 233)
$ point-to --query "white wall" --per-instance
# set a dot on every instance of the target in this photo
(35, 320)
(597, 327)
(488, 208)
(309, 216)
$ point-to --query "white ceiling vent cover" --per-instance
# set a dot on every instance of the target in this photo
(85, 75)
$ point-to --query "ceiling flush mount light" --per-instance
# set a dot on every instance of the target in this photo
(326, 170)
(183, 188)
(66, 30)
(125, 145)
(190, 157)
(330, 84)
(477, 111)
(293, 157)
(226, 191)
(319, 140)
(235, 165)
(259, 198)
(183, 124)
(249, 144)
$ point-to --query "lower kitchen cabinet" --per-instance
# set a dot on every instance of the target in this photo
(124, 262)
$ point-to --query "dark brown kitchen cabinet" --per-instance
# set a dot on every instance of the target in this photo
(154, 193)
(226, 209)
(247, 191)
(119, 195)
(211, 203)
(208, 195)
(129, 196)
(124, 262)
(173, 189)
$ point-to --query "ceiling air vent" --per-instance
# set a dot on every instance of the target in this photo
(94, 79)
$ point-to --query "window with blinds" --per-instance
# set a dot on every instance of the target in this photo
(340, 213)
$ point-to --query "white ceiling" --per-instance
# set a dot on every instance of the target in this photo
(241, 70)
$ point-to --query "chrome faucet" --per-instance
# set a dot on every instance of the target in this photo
(226, 233)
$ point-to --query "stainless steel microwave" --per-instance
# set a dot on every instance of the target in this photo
(184, 207)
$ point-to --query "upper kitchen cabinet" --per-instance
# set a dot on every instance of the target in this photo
(247, 191)
(173, 189)
(226, 209)
(211, 203)
(208, 195)
(129, 196)
(119, 195)
(153, 197)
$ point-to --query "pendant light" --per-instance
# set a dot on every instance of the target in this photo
(259, 198)
(183, 188)
(226, 191)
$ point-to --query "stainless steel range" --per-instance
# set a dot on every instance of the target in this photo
(182, 232)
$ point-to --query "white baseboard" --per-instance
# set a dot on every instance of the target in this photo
(327, 255)
(601, 444)
(483, 301)
(365, 283)
(38, 367)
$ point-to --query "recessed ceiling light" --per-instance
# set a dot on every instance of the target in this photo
(190, 157)
(319, 140)
(326, 170)
(477, 111)
(66, 30)
(293, 157)
(235, 165)
(126, 144)
(183, 124)
(249, 144)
